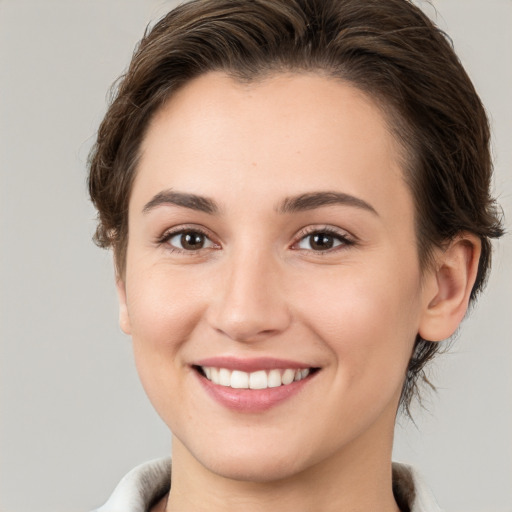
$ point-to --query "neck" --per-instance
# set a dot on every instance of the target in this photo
(357, 478)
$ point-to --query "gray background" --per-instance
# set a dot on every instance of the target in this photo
(73, 416)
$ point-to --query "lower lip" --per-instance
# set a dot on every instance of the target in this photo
(252, 400)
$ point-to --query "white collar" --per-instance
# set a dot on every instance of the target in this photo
(146, 484)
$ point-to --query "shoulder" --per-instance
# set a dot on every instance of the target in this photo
(140, 488)
(411, 492)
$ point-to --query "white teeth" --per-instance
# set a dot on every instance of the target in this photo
(239, 380)
(224, 377)
(288, 376)
(274, 379)
(260, 379)
(304, 373)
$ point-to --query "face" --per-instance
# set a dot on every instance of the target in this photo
(272, 285)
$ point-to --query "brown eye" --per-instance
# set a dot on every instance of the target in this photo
(321, 241)
(190, 241)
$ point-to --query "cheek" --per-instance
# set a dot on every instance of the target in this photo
(163, 305)
(369, 321)
(164, 309)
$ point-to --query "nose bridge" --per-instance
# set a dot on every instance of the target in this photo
(250, 303)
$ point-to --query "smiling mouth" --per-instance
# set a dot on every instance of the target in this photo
(261, 379)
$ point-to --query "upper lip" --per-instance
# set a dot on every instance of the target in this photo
(250, 364)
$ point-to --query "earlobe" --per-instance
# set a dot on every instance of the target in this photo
(124, 316)
(448, 291)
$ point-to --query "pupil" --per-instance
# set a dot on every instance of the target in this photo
(192, 240)
(322, 241)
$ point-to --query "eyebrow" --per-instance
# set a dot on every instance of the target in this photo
(313, 200)
(302, 202)
(191, 201)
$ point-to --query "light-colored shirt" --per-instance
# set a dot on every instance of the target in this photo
(145, 485)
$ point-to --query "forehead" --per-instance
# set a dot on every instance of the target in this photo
(284, 135)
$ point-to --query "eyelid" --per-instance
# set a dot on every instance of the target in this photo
(347, 238)
(182, 228)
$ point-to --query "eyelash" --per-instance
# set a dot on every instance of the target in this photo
(344, 239)
(168, 235)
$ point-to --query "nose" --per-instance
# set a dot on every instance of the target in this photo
(249, 302)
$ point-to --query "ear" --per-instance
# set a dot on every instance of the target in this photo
(124, 316)
(449, 286)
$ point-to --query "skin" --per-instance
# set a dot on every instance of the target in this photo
(259, 288)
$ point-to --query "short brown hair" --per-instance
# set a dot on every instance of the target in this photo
(388, 49)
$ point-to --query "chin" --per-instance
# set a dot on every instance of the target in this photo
(261, 468)
(250, 461)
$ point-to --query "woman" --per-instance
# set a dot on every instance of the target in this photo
(297, 196)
